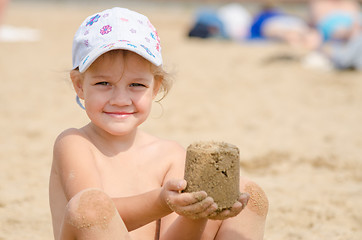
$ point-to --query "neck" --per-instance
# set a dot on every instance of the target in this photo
(110, 144)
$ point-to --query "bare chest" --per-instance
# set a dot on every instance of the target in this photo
(123, 176)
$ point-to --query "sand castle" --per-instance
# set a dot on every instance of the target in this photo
(214, 167)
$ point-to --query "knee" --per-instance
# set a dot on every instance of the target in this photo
(258, 201)
(90, 208)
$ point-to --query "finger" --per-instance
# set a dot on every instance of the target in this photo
(236, 209)
(185, 199)
(176, 185)
(205, 205)
(220, 215)
(200, 196)
(244, 199)
(205, 214)
(227, 213)
(210, 210)
(204, 208)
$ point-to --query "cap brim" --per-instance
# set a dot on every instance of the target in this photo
(123, 45)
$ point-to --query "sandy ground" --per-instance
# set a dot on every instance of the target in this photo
(298, 129)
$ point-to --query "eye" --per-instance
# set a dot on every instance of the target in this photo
(103, 83)
(137, 85)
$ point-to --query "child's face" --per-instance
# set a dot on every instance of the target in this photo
(118, 90)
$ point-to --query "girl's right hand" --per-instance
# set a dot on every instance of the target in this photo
(195, 205)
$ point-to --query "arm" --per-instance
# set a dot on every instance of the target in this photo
(139, 210)
(74, 162)
(185, 229)
(190, 209)
(174, 154)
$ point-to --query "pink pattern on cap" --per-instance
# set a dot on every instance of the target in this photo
(106, 29)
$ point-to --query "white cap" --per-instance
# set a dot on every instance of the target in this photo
(116, 28)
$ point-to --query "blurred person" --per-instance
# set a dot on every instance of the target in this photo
(346, 56)
(230, 21)
(272, 23)
(111, 180)
(207, 24)
(339, 25)
(336, 20)
(268, 10)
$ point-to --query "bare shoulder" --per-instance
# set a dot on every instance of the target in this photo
(171, 155)
(167, 148)
(258, 202)
(69, 145)
(173, 147)
(71, 140)
(74, 162)
(69, 135)
(174, 153)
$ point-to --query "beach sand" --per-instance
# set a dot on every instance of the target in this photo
(298, 129)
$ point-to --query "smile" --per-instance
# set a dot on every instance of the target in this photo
(120, 115)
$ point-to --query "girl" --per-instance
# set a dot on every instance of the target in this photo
(110, 180)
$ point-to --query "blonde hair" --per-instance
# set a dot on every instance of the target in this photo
(164, 78)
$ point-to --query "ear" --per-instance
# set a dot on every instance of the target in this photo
(157, 84)
(77, 80)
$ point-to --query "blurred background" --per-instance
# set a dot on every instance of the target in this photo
(280, 79)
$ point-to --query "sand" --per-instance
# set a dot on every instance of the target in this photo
(214, 167)
(298, 129)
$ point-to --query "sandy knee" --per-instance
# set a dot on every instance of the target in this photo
(258, 201)
(90, 208)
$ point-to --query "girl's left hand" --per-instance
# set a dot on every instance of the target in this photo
(234, 210)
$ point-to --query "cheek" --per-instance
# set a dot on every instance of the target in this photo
(94, 100)
(144, 102)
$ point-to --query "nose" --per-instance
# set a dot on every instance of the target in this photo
(120, 97)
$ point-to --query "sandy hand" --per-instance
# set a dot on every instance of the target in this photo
(233, 211)
(194, 205)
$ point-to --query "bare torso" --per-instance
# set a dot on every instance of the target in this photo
(126, 174)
